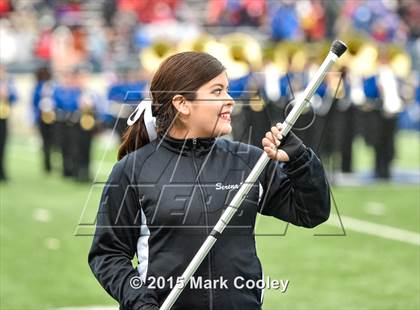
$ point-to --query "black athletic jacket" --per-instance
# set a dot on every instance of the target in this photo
(161, 202)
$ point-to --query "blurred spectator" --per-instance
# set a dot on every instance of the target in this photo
(285, 22)
(69, 48)
(378, 19)
(24, 23)
(120, 45)
(8, 42)
(5, 7)
(332, 11)
(97, 44)
(150, 11)
(69, 12)
(236, 12)
(43, 46)
(109, 8)
(312, 19)
(410, 12)
(125, 27)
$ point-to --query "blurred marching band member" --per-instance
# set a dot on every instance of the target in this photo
(343, 118)
(85, 130)
(261, 106)
(392, 105)
(8, 97)
(44, 113)
(410, 117)
(290, 85)
(383, 104)
(77, 109)
(242, 128)
(123, 95)
(333, 129)
(66, 96)
(315, 118)
(270, 88)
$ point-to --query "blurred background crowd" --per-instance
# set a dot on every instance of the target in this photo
(90, 63)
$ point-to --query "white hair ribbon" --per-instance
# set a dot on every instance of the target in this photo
(149, 120)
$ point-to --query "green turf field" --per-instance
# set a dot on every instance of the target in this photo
(44, 265)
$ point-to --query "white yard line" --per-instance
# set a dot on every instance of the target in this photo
(379, 230)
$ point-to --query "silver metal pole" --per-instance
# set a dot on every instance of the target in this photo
(337, 49)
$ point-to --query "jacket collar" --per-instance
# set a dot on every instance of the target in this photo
(199, 146)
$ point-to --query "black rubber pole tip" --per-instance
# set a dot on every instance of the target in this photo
(338, 47)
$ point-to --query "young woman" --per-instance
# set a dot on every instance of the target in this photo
(173, 180)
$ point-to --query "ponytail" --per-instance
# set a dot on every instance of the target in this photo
(134, 137)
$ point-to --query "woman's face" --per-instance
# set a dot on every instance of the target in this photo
(210, 112)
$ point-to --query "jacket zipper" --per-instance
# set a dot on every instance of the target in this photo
(205, 218)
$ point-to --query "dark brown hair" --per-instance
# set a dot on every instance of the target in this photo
(179, 74)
